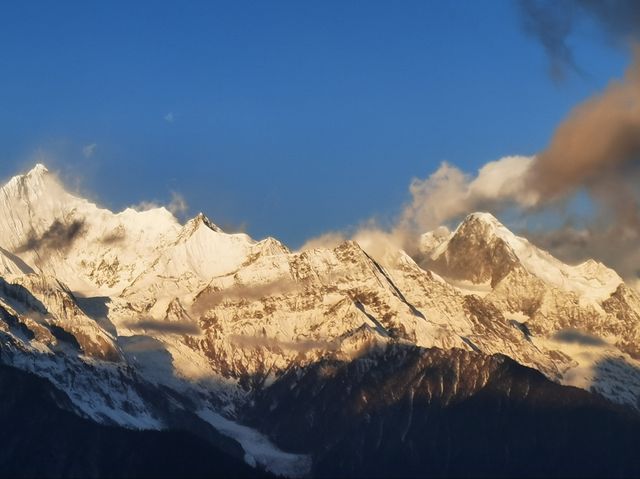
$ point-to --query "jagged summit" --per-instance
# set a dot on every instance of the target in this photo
(37, 171)
(479, 227)
(480, 250)
(202, 220)
(487, 226)
(35, 181)
(271, 246)
(483, 216)
(35, 176)
(483, 250)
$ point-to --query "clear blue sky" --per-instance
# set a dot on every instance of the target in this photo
(290, 118)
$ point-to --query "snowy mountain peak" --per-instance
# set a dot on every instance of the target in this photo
(200, 221)
(487, 226)
(34, 175)
(37, 171)
(271, 246)
(483, 217)
(201, 218)
(36, 205)
(34, 182)
(477, 229)
(480, 250)
(483, 250)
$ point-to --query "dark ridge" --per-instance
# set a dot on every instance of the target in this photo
(412, 412)
(42, 438)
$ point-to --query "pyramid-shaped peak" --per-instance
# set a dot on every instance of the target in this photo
(485, 225)
(36, 181)
(271, 246)
(483, 217)
(480, 250)
(201, 220)
(36, 173)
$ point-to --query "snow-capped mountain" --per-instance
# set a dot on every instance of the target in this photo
(146, 323)
(585, 312)
(42, 223)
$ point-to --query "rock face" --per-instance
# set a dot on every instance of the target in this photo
(145, 323)
(478, 251)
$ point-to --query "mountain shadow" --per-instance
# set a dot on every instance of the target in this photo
(97, 308)
(42, 438)
(173, 409)
(404, 411)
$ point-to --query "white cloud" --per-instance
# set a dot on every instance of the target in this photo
(449, 192)
(89, 150)
(444, 196)
(169, 118)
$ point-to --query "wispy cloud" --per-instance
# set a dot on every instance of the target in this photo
(146, 206)
(89, 150)
(553, 22)
(449, 192)
(178, 205)
(169, 117)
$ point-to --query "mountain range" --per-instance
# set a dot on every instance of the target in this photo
(143, 346)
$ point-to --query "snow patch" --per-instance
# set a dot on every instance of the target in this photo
(258, 448)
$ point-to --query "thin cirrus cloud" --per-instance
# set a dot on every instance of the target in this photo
(178, 204)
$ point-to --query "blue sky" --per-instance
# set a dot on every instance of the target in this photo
(284, 118)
